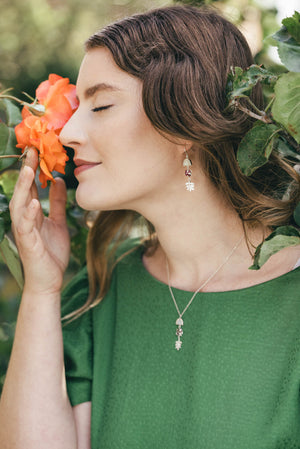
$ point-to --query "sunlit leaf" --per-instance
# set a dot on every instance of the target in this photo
(281, 35)
(8, 180)
(287, 39)
(255, 147)
(7, 145)
(4, 136)
(11, 111)
(10, 256)
(292, 25)
(289, 55)
(282, 237)
(285, 108)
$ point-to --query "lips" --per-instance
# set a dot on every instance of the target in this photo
(83, 165)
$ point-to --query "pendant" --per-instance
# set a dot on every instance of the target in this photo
(179, 333)
(189, 185)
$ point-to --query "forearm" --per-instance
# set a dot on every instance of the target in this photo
(34, 410)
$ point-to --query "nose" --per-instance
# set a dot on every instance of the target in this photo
(72, 134)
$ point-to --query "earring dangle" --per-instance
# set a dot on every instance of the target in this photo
(187, 163)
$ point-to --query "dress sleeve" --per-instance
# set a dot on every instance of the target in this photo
(78, 344)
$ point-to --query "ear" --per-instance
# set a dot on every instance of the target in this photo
(184, 146)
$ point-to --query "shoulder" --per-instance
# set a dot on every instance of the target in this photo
(76, 291)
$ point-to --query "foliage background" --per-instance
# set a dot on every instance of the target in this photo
(38, 37)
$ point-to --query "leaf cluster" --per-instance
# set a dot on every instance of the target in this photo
(287, 40)
(277, 127)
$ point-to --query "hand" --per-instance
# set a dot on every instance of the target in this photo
(43, 242)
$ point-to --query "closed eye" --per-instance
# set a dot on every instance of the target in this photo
(101, 108)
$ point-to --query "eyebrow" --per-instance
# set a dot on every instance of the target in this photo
(91, 91)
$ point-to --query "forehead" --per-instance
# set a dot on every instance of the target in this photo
(98, 68)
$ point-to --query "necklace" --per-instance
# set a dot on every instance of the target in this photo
(179, 321)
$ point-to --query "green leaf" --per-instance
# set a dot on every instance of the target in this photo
(287, 39)
(4, 136)
(285, 108)
(297, 214)
(7, 145)
(3, 204)
(289, 54)
(10, 256)
(240, 82)
(4, 216)
(281, 35)
(255, 147)
(282, 237)
(12, 113)
(8, 181)
(292, 25)
(285, 149)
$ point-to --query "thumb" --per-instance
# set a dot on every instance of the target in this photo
(58, 199)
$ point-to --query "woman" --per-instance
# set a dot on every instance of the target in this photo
(178, 344)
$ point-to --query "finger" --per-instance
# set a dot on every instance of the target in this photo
(34, 194)
(22, 195)
(31, 158)
(27, 223)
(26, 233)
(58, 199)
(34, 191)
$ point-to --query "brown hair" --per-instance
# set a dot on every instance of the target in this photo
(183, 55)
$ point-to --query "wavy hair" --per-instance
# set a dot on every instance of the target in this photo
(182, 55)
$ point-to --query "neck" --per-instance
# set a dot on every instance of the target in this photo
(196, 233)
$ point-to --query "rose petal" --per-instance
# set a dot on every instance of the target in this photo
(42, 90)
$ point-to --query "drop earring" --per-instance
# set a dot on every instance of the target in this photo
(187, 163)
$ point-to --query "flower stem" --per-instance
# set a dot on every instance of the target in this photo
(262, 113)
(11, 97)
(19, 156)
(270, 104)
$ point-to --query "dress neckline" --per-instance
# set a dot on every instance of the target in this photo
(282, 277)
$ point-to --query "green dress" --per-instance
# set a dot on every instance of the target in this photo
(234, 384)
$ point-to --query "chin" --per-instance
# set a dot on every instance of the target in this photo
(84, 200)
(89, 201)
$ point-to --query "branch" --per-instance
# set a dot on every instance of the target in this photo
(264, 118)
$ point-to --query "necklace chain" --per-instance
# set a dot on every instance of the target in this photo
(179, 321)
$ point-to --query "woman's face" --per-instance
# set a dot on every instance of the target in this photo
(121, 159)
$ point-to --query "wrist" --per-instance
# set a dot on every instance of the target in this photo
(39, 293)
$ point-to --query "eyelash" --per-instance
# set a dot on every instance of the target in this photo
(101, 108)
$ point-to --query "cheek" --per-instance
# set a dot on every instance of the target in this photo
(133, 152)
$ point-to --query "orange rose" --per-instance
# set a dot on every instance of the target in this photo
(53, 156)
(41, 130)
(59, 99)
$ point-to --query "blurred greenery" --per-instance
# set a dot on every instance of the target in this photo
(43, 36)
(39, 37)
